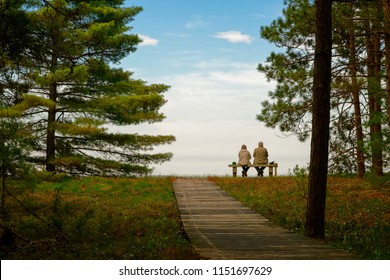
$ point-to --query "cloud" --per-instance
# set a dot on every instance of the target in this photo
(147, 41)
(180, 35)
(212, 111)
(213, 93)
(234, 37)
(196, 22)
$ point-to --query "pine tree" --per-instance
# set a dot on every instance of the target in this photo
(15, 139)
(289, 105)
(72, 95)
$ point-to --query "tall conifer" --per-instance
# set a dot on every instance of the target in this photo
(73, 95)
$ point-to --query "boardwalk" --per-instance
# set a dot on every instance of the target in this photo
(220, 227)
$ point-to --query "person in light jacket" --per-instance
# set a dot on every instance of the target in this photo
(244, 157)
(260, 155)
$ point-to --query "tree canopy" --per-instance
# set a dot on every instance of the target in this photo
(61, 82)
(360, 99)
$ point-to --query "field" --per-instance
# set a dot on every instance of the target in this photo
(118, 218)
(357, 210)
(96, 218)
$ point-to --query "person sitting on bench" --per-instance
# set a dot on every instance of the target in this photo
(244, 157)
(260, 155)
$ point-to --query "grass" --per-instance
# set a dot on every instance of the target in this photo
(96, 218)
(357, 212)
(119, 218)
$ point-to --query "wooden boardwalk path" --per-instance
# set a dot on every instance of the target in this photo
(220, 227)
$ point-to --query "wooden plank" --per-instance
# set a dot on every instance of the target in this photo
(221, 227)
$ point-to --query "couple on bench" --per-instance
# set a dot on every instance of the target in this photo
(260, 155)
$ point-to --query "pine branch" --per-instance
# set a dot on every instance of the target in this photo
(34, 214)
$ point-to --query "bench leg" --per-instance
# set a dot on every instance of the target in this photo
(270, 170)
(234, 171)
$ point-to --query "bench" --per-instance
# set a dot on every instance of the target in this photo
(272, 168)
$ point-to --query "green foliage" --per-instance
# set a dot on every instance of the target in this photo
(379, 182)
(288, 106)
(43, 175)
(13, 147)
(301, 179)
(75, 96)
(15, 143)
(101, 218)
(14, 30)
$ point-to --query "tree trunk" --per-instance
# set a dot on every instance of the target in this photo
(374, 96)
(51, 120)
(315, 213)
(3, 188)
(361, 168)
(50, 137)
(386, 12)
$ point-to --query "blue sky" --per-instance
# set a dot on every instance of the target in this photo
(208, 51)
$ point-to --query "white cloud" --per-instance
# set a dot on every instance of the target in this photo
(180, 35)
(214, 93)
(147, 41)
(234, 37)
(196, 22)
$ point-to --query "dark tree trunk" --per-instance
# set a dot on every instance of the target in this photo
(51, 120)
(3, 187)
(374, 97)
(50, 137)
(361, 168)
(386, 12)
(315, 213)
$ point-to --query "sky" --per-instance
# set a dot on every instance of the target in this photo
(208, 53)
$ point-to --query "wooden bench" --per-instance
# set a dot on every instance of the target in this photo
(272, 168)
